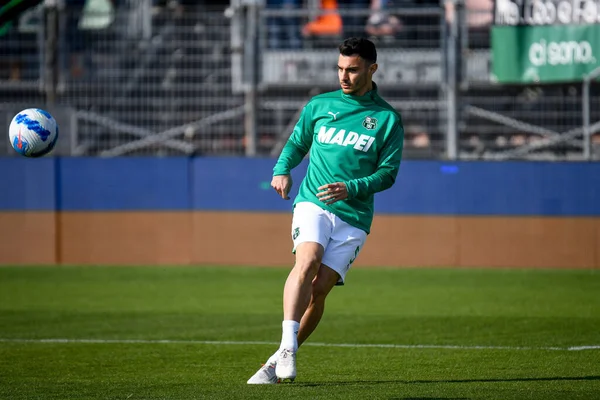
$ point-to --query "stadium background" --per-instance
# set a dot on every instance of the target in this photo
(171, 116)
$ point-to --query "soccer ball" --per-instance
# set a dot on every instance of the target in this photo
(33, 132)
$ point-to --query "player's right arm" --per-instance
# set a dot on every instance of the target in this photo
(298, 144)
(296, 147)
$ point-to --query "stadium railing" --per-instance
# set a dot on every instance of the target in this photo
(138, 79)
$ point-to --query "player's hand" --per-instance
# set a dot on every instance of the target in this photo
(333, 192)
(282, 185)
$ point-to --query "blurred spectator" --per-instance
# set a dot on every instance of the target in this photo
(501, 141)
(174, 6)
(535, 139)
(519, 139)
(327, 23)
(417, 136)
(83, 17)
(421, 140)
(74, 37)
(479, 15)
(283, 31)
(380, 23)
(475, 144)
(345, 16)
(354, 25)
(479, 12)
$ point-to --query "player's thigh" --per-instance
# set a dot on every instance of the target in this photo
(310, 223)
(309, 254)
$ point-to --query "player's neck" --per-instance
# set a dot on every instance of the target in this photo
(368, 87)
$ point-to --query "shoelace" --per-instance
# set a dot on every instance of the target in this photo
(286, 354)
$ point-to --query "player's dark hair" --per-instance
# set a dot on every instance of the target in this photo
(360, 46)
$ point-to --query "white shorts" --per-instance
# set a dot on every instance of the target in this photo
(342, 242)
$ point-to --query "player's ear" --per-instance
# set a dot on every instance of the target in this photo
(373, 68)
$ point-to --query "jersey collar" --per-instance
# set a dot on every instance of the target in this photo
(367, 98)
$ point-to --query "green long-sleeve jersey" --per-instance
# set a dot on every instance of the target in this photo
(357, 140)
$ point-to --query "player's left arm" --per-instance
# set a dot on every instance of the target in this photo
(383, 178)
(388, 165)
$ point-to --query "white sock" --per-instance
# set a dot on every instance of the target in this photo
(289, 335)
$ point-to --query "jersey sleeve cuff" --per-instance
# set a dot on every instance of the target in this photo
(351, 188)
(280, 171)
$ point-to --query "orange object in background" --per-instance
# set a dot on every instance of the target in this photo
(329, 23)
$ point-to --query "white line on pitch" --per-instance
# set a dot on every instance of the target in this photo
(313, 344)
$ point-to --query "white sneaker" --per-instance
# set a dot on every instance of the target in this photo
(286, 365)
(264, 376)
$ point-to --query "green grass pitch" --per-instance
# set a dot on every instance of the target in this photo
(201, 332)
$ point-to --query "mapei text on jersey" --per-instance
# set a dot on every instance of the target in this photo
(360, 142)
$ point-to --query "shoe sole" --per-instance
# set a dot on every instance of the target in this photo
(286, 377)
(283, 378)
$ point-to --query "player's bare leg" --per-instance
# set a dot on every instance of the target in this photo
(297, 293)
(321, 286)
(298, 286)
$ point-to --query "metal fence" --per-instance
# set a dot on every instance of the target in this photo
(410, 74)
(142, 79)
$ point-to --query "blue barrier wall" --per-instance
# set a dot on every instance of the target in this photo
(27, 184)
(100, 184)
(228, 184)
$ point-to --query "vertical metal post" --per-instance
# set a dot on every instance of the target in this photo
(234, 13)
(585, 99)
(146, 7)
(74, 133)
(252, 55)
(586, 119)
(450, 86)
(51, 24)
(463, 48)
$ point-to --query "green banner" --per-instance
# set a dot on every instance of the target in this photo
(544, 54)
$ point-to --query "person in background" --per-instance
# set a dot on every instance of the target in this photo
(328, 22)
(283, 32)
(380, 22)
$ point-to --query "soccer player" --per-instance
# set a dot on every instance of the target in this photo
(355, 141)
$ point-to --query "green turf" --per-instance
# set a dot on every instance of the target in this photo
(526, 311)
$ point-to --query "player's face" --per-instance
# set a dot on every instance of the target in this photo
(355, 74)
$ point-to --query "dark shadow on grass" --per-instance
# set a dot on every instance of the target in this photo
(408, 382)
(429, 398)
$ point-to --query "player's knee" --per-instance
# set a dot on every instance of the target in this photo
(308, 266)
(308, 259)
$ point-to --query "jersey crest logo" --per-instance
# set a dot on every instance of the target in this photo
(370, 123)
